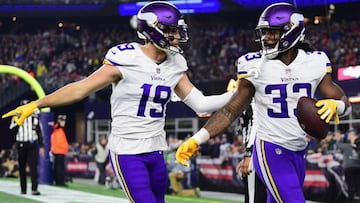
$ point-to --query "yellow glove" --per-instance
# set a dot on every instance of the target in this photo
(329, 109)
(186, 150)
(232, 85)
(21, 112)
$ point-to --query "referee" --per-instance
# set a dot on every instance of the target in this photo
(29, 139)
(255, 190)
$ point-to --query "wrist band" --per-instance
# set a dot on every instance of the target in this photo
(247, 154)
(201, 136)
(340, 107)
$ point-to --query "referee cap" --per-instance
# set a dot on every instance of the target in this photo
(61, 117)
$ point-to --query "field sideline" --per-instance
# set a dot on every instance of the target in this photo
(82, 193)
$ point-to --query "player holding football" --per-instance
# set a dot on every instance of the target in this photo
(276, 78)
(143, 78)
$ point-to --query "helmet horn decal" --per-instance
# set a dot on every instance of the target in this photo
(150, 18)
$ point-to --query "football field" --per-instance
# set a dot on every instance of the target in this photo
(85, 193)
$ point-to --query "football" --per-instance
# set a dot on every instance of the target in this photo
(309, 120)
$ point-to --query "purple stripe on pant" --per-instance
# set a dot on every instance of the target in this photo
(143, 177)
(281, 170)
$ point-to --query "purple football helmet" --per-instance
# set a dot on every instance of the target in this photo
(158, 17)
(286, 18)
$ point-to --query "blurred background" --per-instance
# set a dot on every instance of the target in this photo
(62, 41)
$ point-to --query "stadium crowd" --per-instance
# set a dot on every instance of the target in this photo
(222, 147)
(57, 56)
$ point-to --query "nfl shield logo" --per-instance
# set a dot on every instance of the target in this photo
(278, 151)
(157, 70)
(288, 71)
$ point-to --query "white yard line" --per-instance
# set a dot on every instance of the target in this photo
(51, 194)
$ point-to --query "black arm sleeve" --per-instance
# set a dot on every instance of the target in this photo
(39, 132)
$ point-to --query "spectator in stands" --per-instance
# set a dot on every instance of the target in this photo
(143, 77)
(211, 148)
(178, 173)
(351, 166)
(238, 146)
(76, 147)
(84, 153)
(59, 149)
(3, 157)
(225, 145)
(339, 139)
(41, 70)
(11, 168)
(177, 177)
(9, 164)
(330, 142)
(225, 149)
(233, 40)
(276, 78)
(312, 144)
(101, 153)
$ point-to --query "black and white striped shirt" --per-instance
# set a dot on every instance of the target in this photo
(30, 131)
(248, 126)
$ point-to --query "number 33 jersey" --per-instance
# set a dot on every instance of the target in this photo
(138, 100)
(277, 90)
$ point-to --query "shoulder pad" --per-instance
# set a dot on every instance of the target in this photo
(121, 54)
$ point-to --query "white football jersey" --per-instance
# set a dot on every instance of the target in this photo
(138, 101)
(277, 90)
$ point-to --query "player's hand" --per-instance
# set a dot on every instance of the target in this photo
(244, 166)
(328, 109)
(186, 150)
(41, 151)
(21, 112)
(232, 85)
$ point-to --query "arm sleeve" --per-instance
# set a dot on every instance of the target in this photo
(249, 127)
(206, 104)
(40, 134)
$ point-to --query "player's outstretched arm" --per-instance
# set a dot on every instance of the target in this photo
(68, 94)
(196, 100)
(218, 122)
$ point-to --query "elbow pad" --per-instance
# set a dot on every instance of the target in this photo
(206, 104)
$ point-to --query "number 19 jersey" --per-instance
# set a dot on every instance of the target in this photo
(139, 99)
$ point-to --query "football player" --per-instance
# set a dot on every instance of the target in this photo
(144, 79)
(276, 78)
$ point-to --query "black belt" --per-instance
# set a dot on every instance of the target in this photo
(27, 142)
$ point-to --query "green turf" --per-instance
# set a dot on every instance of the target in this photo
(7, 198)
(102, 190)
(119, 193)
